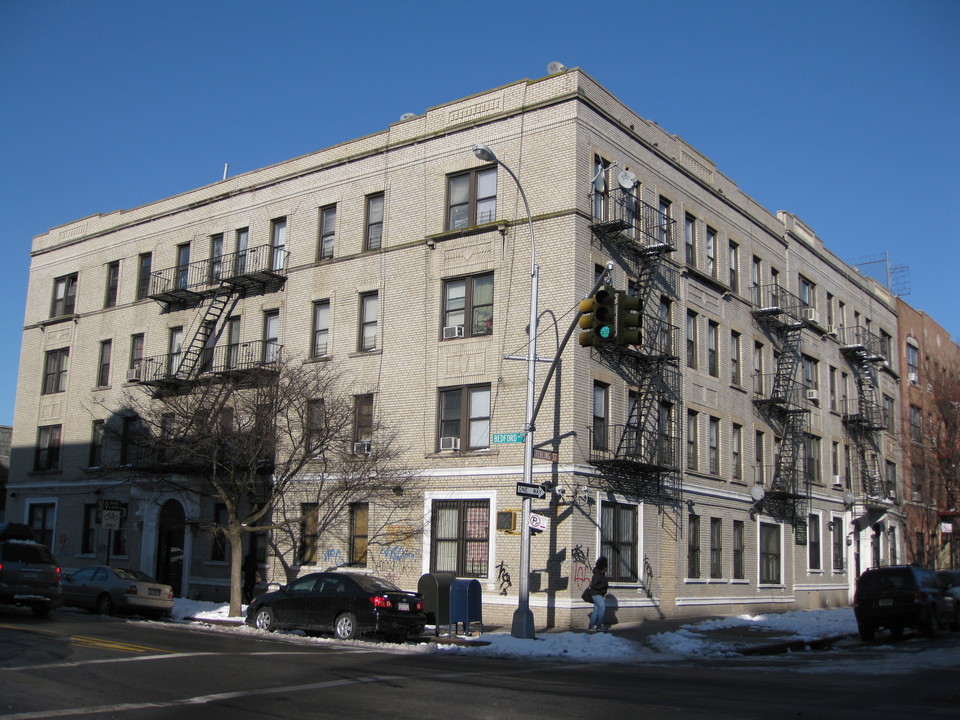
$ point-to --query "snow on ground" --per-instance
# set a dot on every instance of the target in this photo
(688, 641)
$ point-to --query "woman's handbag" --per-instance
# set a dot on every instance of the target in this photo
(587, 595)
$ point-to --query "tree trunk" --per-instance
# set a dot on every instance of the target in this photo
(235, 537)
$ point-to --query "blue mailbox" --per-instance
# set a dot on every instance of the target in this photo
(466, 604)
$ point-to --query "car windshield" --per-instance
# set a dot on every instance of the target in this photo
(128, 574)
(371, 583)
(891, 580)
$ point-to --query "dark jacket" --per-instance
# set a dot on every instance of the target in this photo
(598, 583)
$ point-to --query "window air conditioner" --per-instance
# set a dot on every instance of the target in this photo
(833, 329)
(449, 443)
(361, 448)
(813, 395)
(452, 331)
(838, 480)
(913, 377)
(133, 375)
(811, 315)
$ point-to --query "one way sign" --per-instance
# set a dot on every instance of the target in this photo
(530, 490)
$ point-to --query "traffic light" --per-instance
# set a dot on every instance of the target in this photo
(599, 318)
(628, 319)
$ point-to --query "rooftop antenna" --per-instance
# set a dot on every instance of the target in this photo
(226, 166)
(555, 67)
(895, 278)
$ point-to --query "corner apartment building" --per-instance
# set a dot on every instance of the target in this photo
(736, 458)
(927, 356)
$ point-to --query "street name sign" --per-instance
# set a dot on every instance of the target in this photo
(530, 490)
(508, 437)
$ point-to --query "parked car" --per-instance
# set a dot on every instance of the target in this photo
(902, 596)
(348, 604)
(951, 581)
(29, 574)
(109, 590)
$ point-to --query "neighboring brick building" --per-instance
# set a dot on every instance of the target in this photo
(927, 356)
(735, 459)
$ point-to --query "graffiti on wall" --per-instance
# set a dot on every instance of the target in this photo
(503, 578)
(582, 574)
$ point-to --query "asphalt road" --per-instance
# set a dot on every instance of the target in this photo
(74, 665)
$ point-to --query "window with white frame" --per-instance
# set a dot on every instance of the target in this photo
(711, 251)
(770, 553)
(739, 551)
(278, 243)
(716, 548)
(690, 239)
(460, 537)
(319, 347)
(693, 546)
(103, 364)
(839, 543)
(601, 397)
(814, 557)
(369, 320)
(373, 232)
(618, 540)
(328, 232)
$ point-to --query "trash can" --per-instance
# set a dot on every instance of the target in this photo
(466, 604)
(435, 589)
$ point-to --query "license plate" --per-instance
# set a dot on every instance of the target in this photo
(403, 607)
(153, 591)
(885, 602)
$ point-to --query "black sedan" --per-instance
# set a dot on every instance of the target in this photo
(348, 604)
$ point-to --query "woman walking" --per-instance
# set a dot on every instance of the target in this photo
(598, 591)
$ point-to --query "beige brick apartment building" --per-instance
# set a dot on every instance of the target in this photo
(735, 459)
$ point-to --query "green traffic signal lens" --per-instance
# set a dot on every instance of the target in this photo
(605, 332)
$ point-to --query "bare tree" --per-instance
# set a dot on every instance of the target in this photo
(277, 449)
(943, 437)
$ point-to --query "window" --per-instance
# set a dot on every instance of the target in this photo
(663, 315)
(811, 459)
(468, 305)
(130, 447)
(891, 478)
(460, 537)
(88, 541)
(811, 372)
(183, 266)
(359, 527)
(913, 363)
(733, 256)
(736, 452)
(756, 275)
(55, 371)
(64, 296)
(690, 239)
(736, 375)
(833, 388)
(328, 232)
(96, 444)
(713, 348)
(835, 459)
(47, 456)
(830, 316)
(243, 243)
(472, 198)
(40, 518)
(233, 343)
(713, 441)
(758, 368)
(691, 339)
(618, 540)
(174, 350)
(315, 436)
(601, 168)
(218, 544)
(363, 418)
(739, 567)
(278, 243)
(711, 250)
(136, 353)
(321, 329)
(271, 336)
(808, 292)
(886, 345)
(664, 212)
(836, 532)
(369, 309)
(691, 440)
(103, 366)
(813, 542)
(216, 257)
(113, 283)
(693, 546)
(758, 458)
(600, 400)
(464, 418)
(309, 533)
(888, 412)
(769, 554)
(144, 266)
(373, 235)
(916, 424)
(716, 548)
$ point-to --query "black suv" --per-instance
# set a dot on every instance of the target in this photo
(29, 574)
(901, 596)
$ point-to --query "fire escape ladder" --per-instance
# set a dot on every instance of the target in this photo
(209, 326)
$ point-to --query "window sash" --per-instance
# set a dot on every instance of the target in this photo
(369, 309)
(48, 448)
(769, 554)
(693, 546)
(55, 371)
(471, 422)
(716, 548)
(113, 283)
(328, 231)
(460, 537)
(618, 540)
(373, 236)
(103, 371)
(321, 329)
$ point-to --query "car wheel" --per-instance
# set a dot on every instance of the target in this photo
(345, 626)
(867, 632)
(932, 626)
(264, 620)
(41, 610)
(104, 605)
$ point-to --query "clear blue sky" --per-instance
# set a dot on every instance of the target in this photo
(844, 112)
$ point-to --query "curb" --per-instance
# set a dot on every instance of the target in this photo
(791, 646)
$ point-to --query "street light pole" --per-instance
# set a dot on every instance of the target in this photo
(523, 617)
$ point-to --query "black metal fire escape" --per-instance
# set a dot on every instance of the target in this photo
(214, 286)
(863, 416)
(642, 456)
(781, 315)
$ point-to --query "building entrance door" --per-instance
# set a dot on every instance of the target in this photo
(170, 546)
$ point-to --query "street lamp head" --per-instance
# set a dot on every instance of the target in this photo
(484, 153)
